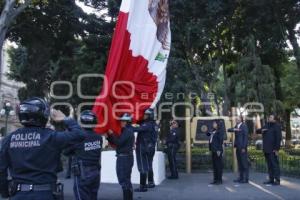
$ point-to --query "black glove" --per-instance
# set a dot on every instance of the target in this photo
(4, 188)
(4, 193)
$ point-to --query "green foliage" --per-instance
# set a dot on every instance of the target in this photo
(235, 49)
(62, 43)
(254, 82)
(291, 86)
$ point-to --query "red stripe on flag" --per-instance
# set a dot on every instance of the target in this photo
(122, 66)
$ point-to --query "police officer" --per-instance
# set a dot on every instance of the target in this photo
(241, 145)
(216, 147)
(145, 149)
(124, 150)
(32, 153)
(154, 137)
(272, 137)
(86, 159)
(173, 145)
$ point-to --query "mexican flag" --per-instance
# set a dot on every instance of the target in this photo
(136, 69)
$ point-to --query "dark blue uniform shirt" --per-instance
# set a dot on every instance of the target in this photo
(154, 135)
(145, 133)
(124, 142)
(32, 154)
(88, 151)
(173, 137)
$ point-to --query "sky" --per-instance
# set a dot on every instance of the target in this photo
(87, 9)
(90, 10)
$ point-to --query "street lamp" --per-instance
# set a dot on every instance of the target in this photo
(6, 112)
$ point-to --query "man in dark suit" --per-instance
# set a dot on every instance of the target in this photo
(241, 144)
(272, 137)
(216, 147)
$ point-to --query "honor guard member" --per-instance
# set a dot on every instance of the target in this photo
(272, 137)
(241, 145)
(124, 149)
(32, 153)
(145, 149)
(154, 137)
(173, 144)
(216, 147)
(86, 159)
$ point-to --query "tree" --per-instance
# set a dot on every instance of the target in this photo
(287, 14)
(10, 9)
(61, 44)
(254, 82)
(291, 90)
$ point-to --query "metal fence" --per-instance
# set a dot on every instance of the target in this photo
(289, 165)
(202, 162)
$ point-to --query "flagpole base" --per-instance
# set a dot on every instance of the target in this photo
(108, 168)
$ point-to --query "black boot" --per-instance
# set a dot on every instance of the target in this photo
(127, 195)
(238, 180)
(143, 186)
(151, 183)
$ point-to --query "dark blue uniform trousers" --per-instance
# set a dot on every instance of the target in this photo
(124, 169)
(142, 159)
(87, 185)
(38, 195)
(273, 166)
(150, 159)
(172, 151)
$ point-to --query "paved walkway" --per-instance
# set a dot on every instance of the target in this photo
(196, 187)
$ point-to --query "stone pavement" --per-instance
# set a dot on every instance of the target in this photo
(196, 187)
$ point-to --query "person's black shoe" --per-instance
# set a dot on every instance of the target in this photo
(243, 181)
(213, 183)
(219, 183)
(141, 189)
(173, 177)
(68, 177)
(151, 185)
(237, 180)
(275, 183)
(268, 182)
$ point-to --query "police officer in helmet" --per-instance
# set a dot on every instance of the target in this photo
(32, 153)
(124, 149)
(145, 149)
(86, 162)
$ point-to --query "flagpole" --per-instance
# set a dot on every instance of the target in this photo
(188, 138)
(233, 122)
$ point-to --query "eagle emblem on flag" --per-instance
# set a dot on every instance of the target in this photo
(159, 11)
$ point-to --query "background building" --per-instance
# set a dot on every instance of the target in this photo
(8, 94)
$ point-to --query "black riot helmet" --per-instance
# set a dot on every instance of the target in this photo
(150, 113)
(126, 118)
(88, 119)
(34, 112)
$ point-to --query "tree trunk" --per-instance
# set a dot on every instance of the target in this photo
(8, 15)
(288, 130)
(293, 39)
(2, 39)
(226, 99)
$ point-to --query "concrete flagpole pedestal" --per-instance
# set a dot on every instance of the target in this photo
(108, 170)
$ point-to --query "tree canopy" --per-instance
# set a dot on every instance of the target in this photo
(240, 51)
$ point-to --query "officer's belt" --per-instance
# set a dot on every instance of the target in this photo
(28, 188)
(124, 154)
